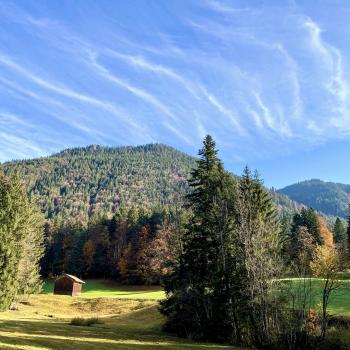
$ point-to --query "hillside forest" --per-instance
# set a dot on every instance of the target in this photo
(222, 246)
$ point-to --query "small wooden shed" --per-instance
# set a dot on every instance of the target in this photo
(68, 285)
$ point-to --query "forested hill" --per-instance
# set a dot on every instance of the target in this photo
(327, 197)
(77, 182)
(80, 181)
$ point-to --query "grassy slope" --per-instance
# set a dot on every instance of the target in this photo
(108, 289)
(127, 324)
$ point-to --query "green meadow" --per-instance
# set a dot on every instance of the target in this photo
(340, 299)
(128, 319)
(110, 289)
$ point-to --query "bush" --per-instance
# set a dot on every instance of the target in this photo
(339, 322)
(85, 322)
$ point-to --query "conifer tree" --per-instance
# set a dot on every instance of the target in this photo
(348, 230)
(21, 242)
(190, 303)
(339, 231)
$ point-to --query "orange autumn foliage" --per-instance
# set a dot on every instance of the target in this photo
(325, 232)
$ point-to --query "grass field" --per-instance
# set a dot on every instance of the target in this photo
(43, 324)
(340, 298)
(129, 317)
(110, 289)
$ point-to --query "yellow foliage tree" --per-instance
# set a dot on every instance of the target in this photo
(326, 264)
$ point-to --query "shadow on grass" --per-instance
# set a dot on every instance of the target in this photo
(119, 333)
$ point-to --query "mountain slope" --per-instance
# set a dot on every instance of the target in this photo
(77, 182)
(327, 197)
(80, 181)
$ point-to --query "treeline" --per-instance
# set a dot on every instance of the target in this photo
(136, 246)
(83, 183)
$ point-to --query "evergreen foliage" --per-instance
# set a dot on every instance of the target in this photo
(339, 231)
(21, 244)
(84, 182)
(328, 198)
(306, 218)
(221, 287)
(80, 183)
(348, 230)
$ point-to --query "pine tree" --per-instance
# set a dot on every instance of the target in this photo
(190, 303)
(348, 230)
(21, 241)
(339, 231)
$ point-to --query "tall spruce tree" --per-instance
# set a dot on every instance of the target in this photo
(339, 231)
(348, 231)
(191, 289)
(21, 241)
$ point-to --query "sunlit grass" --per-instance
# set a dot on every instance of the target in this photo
(110, 289)
(125, 324)
(339, 303)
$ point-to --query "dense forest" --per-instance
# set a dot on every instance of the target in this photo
(114, 212)
(222, 248)
(329, 198)
(82, 182)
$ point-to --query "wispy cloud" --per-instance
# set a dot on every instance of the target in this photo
(19, 146)
(331, 59)
(141, 62)
(67, 92)
(222, 7)
(144, 95)
(212, 66)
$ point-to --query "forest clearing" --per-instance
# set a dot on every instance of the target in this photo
(127, 318)
(44, 323)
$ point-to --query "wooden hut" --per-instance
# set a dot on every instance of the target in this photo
(68, 285)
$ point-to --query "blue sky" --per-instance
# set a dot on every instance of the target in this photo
(268, 79)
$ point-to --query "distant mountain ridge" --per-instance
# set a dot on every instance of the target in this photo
(329, 198)
(77, 182)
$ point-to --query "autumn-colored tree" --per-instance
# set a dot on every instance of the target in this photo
(118, 241)
(325, 233)
(306, 247)
(123, 263)
(142, 268)
(160, 253)
(326, 264)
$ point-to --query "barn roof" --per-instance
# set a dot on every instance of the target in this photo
(73, 278)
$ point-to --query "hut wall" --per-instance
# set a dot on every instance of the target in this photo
(76, 289)
(63, 286)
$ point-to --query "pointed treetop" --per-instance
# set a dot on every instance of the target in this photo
(208, 151)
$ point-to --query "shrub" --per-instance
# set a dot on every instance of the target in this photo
(85, 322)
